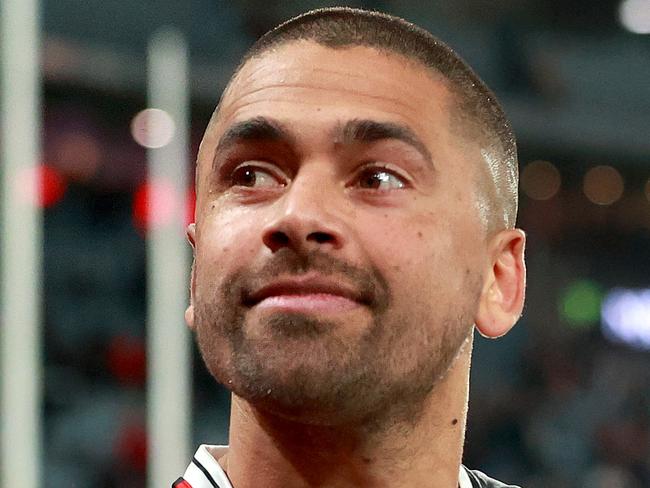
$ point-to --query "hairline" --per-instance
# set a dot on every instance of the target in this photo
(257, 53)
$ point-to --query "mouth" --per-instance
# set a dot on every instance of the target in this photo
(308, 293)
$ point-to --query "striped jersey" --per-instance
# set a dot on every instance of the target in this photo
(205, 472)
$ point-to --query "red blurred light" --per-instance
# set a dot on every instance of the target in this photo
(49, 182)
(155, 204)
(52, 186)
(131, 447)
(190, 216)
(126, 359)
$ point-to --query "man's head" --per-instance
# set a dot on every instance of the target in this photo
(356, 198)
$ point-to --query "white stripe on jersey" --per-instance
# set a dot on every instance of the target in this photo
(463, 479)
(197, 478)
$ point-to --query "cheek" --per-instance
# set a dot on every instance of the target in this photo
(224, 240)
(401, 248)
(426, 252)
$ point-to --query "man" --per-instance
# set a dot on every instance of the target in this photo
(357, 193)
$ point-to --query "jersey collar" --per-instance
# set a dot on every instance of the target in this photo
(205, 472)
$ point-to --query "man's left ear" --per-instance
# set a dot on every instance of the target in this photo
(502, 298)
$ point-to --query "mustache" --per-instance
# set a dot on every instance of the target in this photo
(369, 282)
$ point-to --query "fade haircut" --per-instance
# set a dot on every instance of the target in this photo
(478, 116)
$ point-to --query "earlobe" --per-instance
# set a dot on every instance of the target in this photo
(502, 298)
(190, 232)
(189, 316)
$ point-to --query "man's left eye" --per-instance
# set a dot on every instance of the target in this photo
(380, 179)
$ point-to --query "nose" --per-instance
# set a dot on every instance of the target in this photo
(306, 218)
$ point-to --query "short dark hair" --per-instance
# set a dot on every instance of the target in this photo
(479, 114)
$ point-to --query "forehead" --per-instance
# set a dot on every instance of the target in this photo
(312, 89)
(308, 79)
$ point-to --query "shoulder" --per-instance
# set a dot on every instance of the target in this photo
(481, 480)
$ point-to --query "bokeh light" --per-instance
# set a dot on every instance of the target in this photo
(540, 180)
(155, 204)
(626, 316)
(152, 128)
(52, 186)
(634, 15)
(190, 210)
(603, 185)
(580, 303)
(647, 189)
(126, 360)
(131, 445)
(40, 185)
(78, 156)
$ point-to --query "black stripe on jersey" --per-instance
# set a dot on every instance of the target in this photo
(205, 472)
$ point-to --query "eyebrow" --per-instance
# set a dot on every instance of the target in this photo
(256, 129)
(263, 129)
(362, 130)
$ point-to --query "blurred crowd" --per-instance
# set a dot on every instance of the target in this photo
(550, 405)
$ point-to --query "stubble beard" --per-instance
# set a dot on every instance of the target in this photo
(300, 369)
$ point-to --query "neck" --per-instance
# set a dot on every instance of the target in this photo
(266, 450)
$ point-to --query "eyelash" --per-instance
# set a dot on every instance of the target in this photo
(230, 166)
(378, 167)
(228, 175)
(252, 168)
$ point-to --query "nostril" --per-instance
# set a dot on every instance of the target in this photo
(320, 237)
(277, 240)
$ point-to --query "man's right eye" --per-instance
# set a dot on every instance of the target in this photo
(253, 177)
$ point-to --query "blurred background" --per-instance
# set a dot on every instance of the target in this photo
(561, 401)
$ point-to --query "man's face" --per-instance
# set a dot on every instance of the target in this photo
(339, 252)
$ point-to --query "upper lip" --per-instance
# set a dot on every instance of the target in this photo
(304, 285)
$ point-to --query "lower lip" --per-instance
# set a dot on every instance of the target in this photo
(313, 302)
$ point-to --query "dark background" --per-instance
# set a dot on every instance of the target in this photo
(558, 402)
